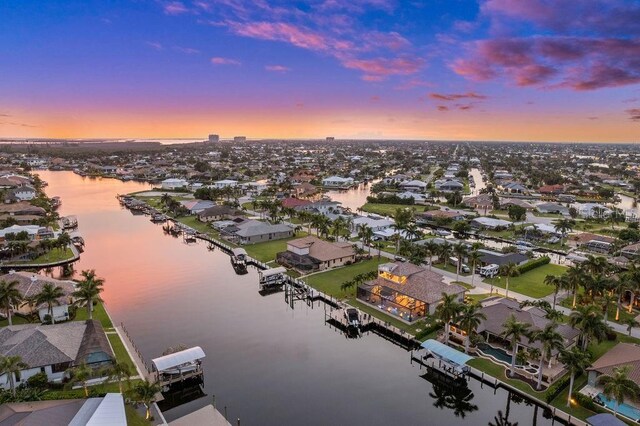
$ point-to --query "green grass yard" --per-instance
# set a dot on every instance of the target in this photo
(266, 252)
(99, 313)
(329, 282)
(530, 283)
(53, 256)
(121, 352)
(388, 209)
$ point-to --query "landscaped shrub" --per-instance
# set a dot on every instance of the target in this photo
(535, 263)
(39, 380)
(556, 389)
(428, 330)
(586, 402)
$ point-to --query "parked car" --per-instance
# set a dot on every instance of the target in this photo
(489, 271)
(399, 259)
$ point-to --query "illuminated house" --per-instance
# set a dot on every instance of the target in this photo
(407, 291)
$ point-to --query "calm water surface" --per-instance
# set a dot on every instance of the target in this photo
(269, 364)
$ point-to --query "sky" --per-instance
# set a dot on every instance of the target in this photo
(526, 70)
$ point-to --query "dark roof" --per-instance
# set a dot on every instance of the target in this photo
(620, 354)
(220, 210)
(502, 259)
(605, 419)
(94, 340)
(36, 413)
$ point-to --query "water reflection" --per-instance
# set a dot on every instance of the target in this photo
(449, 393)
(268, 363)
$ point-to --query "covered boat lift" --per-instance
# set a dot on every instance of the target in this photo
(454, 361)
(178, 366)
(272, 277)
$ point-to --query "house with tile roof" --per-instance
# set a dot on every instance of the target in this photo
(311, 253)
(620, 355)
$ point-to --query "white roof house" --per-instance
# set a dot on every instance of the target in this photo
(376, 224)
(173, 183)
(225, 183)
(594, 210)
(337, 181)
(414, 185)
(490, 223)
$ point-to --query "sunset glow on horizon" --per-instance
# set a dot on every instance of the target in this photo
(526, 70)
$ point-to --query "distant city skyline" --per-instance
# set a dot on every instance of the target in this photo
(512, 70)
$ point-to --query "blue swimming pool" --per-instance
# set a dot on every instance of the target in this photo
(626, 410)
(497, 353)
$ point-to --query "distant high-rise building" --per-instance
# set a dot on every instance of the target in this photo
(331, 139)
(214, 138)
(240, 139)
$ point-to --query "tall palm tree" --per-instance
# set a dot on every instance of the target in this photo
(81, 374)
(10, 297)
(338, 228)
(88, 290)
(365, 233)
(379, 245)
(49, 294)
(563, 227)
(460, 250)
(514, 330)
(576, 361)
(557, 282)
(474, 258)
(469, 318)
(12, 366)
(509, 270)
(630, 323)
(447, 311)
(589, 320)
(119, 371)
(550, 339)
(575, 277)
(619, 386)
(145, 393)
(596, 264)
(431, 248)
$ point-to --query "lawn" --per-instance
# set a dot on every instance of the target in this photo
(54, 255)
(450, 268)
(15, 320)
(409, 328)
(560, 402)
(266, 252)
(388, 209)
(133, 418)
(121, 352)
(530, 283)
(498, 371)
(99, 313)
(329, 282)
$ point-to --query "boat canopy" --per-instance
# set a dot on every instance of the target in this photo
(446, 353)
(178, 358)
(239, 252)
(274, 271)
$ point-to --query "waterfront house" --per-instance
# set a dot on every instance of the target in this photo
(249, 231)
(431, 216)
(413, 186)
(215, 213)
(304, 190)
(594, 211)
(552, 208)
(31, 284)
(407, 291)
(337, 182)
(482, 201)
(620, 355)
(448, 185)
(197, 206)
(173, 184)
(20, 193)
(375, 223)
(294, 203)
(507, 202)
(323, 207)
(490, 223)
(35, 232)
(310, 254)
(53, 349)
(490, 257)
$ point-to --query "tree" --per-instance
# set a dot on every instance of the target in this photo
(119, 371)
(589, 320)
(474, 258)
(145, 393)
(576, 361)
(447, 311)
(460, 250)
(514, 330)
(619, 386)
(49, 294)
(549, 339)
(10, 297)
(575, 277)
(563, 227)
(509, 270)
(469, 319)
(630, 323)
(88, 291)
(517, 213)
(365, 233)
(596, 264)
(81, 374)
(11, 366)
(379, 245)
(557, 282)
(431, 247)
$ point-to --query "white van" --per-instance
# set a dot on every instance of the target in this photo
(454, 261)
(489, 271)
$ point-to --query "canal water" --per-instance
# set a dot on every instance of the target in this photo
(267, 363)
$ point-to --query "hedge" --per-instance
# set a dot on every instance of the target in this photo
(533, 264)
(428, 330)
(557, 388)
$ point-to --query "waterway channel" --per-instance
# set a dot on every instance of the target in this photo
(267, 363)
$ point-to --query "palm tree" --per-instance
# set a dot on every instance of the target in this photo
(514, 330)
(145, 393)
(10, 297)
(550, 339)
(563, 227)
(474, 258)
(338, 227)
(469, 319)
(12, 366)
(576, 361)
(81, 374)
(49, 294)
(575, 278)
(460, 250)
(447, 311)
(557, 282)
(431, 248)
(119, 371)
(596, 264)
(379, 245)
(589, 320)
(88, 291)
(509, 270)
(618, 386)
(365, 233)
(630, 323)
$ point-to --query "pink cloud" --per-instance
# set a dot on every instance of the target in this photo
(456, 96)
(154, 45)
(280, 31)
(443, 108)
(224, 61)
(391, 41)
(634, 114)
(378, 69)
(175, 8)
(277, 68)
